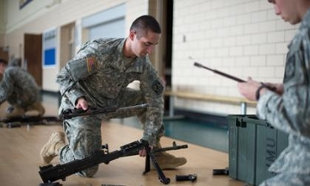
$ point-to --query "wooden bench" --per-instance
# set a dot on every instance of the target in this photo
(206, 97)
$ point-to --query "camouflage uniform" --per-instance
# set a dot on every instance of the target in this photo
(101, 73)
(19, 88)
(291, 113)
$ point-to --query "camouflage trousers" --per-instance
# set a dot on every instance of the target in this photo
(84, 133)
(288, 179)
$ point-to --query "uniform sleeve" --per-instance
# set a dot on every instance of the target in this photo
(288, 113)
(83, 65)
(6, 86)
(152, 88)
(291, 112)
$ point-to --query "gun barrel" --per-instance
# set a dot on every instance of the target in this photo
(219, 72)
(68, 114)
(170, 148)
(228, 76)
(201, 66)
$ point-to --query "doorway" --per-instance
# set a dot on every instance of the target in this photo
(33, 56)
(4, 54)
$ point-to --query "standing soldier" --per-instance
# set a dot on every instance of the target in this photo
(98, 77)
(287, 108)
(19, 89)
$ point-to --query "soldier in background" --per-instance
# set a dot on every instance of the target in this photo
(98, 77)
(287, 108)
(19, 89)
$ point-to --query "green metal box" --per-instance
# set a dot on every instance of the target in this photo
(253, 146)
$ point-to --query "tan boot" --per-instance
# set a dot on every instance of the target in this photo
(52, 147)
(168, 161)
(38, 107)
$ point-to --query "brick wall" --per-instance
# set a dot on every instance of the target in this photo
(240, 37)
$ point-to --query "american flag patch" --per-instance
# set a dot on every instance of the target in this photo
(91, 63)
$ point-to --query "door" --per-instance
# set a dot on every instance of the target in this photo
(4, 54)
(33, 56)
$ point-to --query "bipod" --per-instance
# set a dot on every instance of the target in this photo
(150, 157)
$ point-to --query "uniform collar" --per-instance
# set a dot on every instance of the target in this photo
(135, 66)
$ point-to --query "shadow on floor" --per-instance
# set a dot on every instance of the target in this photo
(197, 132)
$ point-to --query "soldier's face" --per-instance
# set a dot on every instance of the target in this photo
(145, 44)
(287, 9)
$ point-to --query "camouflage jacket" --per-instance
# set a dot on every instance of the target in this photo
(99, 73)
(18, 87)
(291, 111)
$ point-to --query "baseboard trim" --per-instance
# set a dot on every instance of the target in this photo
(50, 93)
(219, 119)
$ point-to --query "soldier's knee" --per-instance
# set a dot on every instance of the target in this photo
(89, 172)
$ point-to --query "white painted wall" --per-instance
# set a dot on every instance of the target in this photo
(3, 17)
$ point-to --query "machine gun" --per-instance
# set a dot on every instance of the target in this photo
(29, 120)
(70, 113)
(52, 173)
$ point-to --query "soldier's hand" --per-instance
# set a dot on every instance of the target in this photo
(143, 153)
(81, 104)
(248, 89)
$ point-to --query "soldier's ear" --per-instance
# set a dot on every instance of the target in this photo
(132, 34)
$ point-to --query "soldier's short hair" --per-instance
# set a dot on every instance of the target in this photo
(145, 23)
(3, 61)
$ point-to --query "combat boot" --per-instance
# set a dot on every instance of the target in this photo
(52, 147)
(168, 161)
(37, 106)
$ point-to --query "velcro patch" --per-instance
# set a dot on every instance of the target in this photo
(157, 87)
(91, 64)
